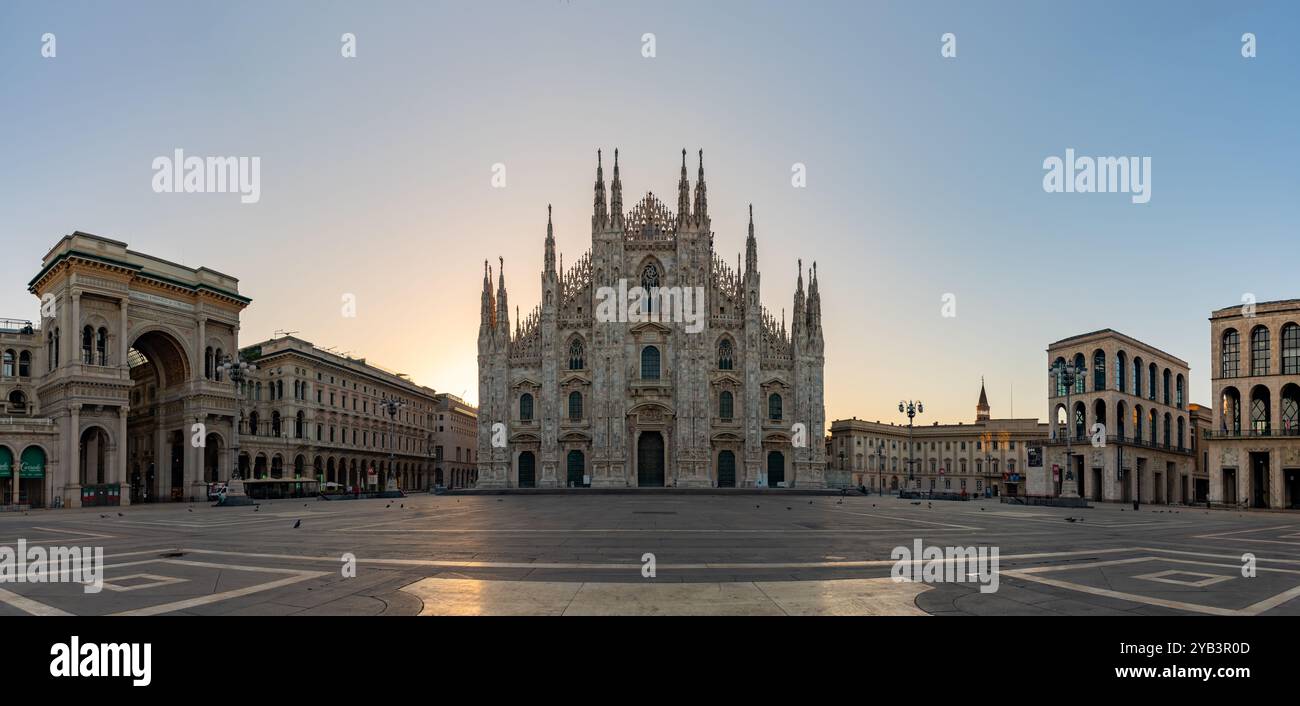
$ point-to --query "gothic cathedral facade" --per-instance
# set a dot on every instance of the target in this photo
(574, 396)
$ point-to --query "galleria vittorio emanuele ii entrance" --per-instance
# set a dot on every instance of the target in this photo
(126, 360)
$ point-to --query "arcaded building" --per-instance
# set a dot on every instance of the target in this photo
(109, 389)
(1125, 424)
(116, 394)
(313, 413)
(1254, 445)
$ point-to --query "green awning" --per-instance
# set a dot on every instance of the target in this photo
(33, 463)
(6, 461)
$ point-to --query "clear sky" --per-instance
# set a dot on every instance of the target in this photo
(924, 173)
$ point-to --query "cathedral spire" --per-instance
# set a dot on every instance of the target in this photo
(550, 242)
(616, 196)
(751, 245)
(797, 325)
(701, 194)
(683, 194)
(600, 215)
(488, 312)
(503, 310)
(814, 301)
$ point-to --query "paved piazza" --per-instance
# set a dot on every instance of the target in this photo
(770, 554)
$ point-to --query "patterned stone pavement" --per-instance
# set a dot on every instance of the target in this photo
(712, 555)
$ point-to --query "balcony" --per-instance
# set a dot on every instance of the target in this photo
(1126, 440)
(1263, 432)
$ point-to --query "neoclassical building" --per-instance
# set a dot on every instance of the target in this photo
(1138, 394)
(1254, 444)
(990, 456)
(116, 395)
(455, 439)
(616, 401)
(313, 413)
(106, 393)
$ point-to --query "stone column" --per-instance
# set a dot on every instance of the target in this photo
(200, 346)
(121, 474)
(162, 466)
(71, 332)
(124, 342)
(74, 456)
(193, 460)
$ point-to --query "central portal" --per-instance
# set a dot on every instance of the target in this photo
(650, 460)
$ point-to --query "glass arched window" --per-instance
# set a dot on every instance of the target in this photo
(725, 405)
(1230, 411)
(1178, 392)
(101, 346)
(275, 424)
(1182, 433)
(774, 407)
(87, 345)
(217, 358)
(1151, 381)
(10, 359)
(650, 363)
(1099, 370)
(1259, 351)
(576, 360)
(724, 354)
(1259, 411)
(299, 424)
(1290, 410)
(525, 407)
(575, 406)
(1121, 362)
(207, 363)
(1290, 349)
(1230, 354)
(1079, 363)
(253, 423)
(1137, 376)
(25, 364)
(1060, 385)
(1167, 386)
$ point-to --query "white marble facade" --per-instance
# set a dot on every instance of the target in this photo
(574, 398)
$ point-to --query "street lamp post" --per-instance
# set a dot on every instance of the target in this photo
(237, 371)
(1068, 375)
(392, 406)
(911, 409)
